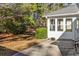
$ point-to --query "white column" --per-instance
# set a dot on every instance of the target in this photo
(48, 26)
(74, 27)
(56, 24)
(64, 24)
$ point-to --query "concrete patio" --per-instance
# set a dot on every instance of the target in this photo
(43, 49)
(51, 48)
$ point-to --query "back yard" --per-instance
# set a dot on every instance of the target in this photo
(23, 25)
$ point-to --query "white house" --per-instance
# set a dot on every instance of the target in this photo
(64, 23)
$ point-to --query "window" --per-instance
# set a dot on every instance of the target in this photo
(77, 25)
(52, 24)
(60, 24)
(69, 25)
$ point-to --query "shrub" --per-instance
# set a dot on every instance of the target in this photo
(1, 28)
(15, 27)
(41, 33)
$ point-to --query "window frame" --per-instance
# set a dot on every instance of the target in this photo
(69, 30)
(52, 24)
(59, 25)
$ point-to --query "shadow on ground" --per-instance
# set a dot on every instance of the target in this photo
(8, 52)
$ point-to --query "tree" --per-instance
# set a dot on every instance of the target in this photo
(28, 14)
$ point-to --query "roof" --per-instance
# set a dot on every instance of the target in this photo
(70, 10)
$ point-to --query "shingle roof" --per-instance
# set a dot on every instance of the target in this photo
(72, 9)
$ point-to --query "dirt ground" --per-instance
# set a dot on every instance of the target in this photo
(19, 45)
(16, 45)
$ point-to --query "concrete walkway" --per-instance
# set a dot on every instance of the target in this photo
(43, 49)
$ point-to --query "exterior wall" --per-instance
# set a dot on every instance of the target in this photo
(77, 36)
(77, 30)
(74, 19)
(62, 34)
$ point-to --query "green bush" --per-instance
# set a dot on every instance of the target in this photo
(2, 29)
(14, 26)
(41, 33)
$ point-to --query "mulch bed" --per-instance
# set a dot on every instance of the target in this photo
(12, 44)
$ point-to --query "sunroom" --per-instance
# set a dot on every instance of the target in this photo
(64, 23)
